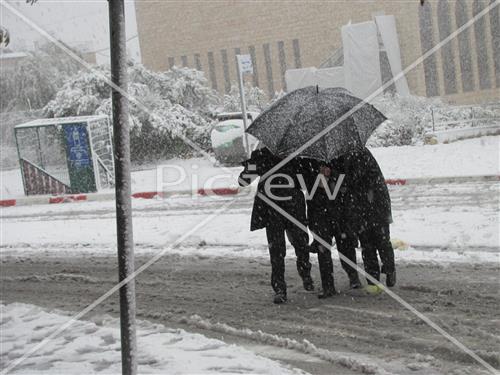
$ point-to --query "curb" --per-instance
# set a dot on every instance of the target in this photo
(440, 180)
(95, 197)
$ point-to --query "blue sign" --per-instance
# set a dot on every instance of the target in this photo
(77, 144)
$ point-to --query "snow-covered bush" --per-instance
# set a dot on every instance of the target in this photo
(483, 115)
(409, 117)
(173, 105)
(256, 99)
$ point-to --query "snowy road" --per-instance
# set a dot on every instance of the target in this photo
(62, 256)
(349, 332)
(452, 216)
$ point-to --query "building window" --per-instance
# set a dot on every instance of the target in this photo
(296, 54)
(427, 42)
(197, 61)
(495, 39)
(282, 60)
(483, 65)
(225, 70)
(447, 54)
(464, 47)
(269, 69)
(211, 70)
(251, 51)
(184, 61)
(171, 62)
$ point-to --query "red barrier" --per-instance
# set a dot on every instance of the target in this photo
(395, 181)
(67, 198)
(7, 202)
(147, 194)
(219, 191)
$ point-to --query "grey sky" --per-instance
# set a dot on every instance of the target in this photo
(75, 22)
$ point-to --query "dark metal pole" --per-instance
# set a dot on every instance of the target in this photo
(122, 186)
(39, 148)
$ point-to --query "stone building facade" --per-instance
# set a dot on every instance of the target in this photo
(284, 34)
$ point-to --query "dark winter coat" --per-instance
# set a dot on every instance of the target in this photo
(319, 207)
(363, 197)
(263, 215)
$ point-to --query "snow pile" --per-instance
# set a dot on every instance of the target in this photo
(470, 157)
(94, 347)
(305, 346)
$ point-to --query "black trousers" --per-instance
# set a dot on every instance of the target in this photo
(277, 251)
(376, 238)
(346, 241)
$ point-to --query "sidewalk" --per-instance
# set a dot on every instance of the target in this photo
(463, 161)
(219, 191)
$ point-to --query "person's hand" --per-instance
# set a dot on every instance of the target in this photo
(325, 171)
(245, 178)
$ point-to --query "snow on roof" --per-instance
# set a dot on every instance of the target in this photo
(59, 121)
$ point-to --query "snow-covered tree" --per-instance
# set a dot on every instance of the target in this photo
(32, 83)
(178, 103)
(189, 88)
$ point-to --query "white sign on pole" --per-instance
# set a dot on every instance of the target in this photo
(245, 62)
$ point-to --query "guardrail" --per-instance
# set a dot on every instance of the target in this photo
(474, 120)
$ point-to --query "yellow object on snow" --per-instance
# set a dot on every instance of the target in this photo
(398, 244)
(374, 289)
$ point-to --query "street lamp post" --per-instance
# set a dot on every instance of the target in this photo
(124, 232)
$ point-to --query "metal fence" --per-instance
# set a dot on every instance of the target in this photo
(100, 134)
(44, 147)
(465, 116)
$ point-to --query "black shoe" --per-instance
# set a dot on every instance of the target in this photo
(390, 279)
(326, 293)
(354, 281)
(279, 298)
(308, 283)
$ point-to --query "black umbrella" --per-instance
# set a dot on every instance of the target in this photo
(300, 115)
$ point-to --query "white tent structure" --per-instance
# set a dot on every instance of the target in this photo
(361, 69)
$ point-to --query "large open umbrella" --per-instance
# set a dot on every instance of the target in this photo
(300, 115)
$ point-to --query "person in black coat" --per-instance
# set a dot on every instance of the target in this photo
(366, 205)
(289, 198)
(325, 219)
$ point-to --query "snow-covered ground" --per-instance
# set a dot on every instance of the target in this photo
(471, 157)
(451, 227)
(437, 217)
(94, 347)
